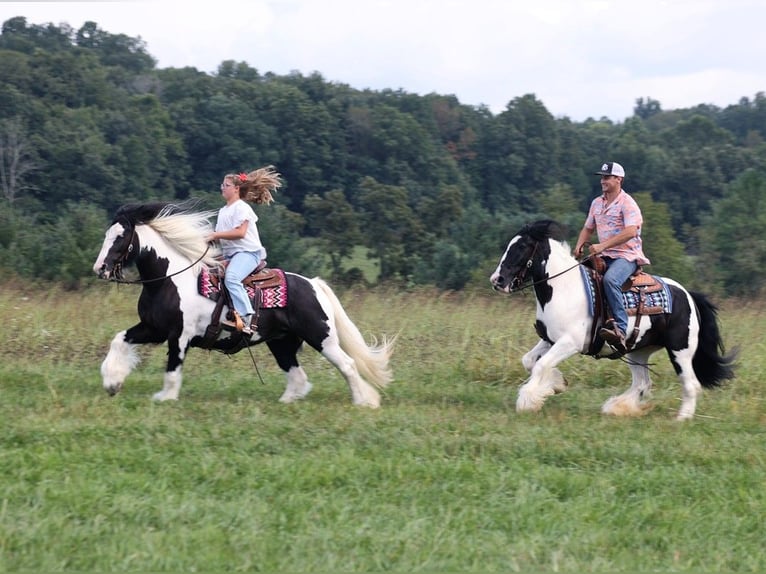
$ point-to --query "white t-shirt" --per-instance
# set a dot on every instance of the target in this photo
(231, 216)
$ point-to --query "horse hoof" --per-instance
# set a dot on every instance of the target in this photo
(113, 390)
(527, 406)
(369, 405)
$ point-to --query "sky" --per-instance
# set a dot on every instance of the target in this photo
(580, 58)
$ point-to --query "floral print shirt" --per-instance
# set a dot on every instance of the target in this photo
(611, 220)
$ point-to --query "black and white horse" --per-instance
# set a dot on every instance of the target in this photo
(538, 257)
(167, 246)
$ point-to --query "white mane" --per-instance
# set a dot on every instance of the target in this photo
(186, 231)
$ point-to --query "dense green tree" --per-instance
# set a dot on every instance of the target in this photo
(18, 160)
(281, 232)
(333, 221)
(309, 144)
(645, 109)
(392, 231)
(437, 187)
(448, 267)
(559, 203)
(521, 154)
(746, 120)
(116, 50)
(661, 246)
(736, 236)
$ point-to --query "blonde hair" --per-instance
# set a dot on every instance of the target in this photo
(258, 185)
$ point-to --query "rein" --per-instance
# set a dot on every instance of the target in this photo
(115, 279)
(533, 283)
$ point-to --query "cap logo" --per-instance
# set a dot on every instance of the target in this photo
(605, 167)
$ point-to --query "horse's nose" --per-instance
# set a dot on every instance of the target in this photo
(497, 280)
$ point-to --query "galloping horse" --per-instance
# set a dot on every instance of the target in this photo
(687, 328)
(166, 244)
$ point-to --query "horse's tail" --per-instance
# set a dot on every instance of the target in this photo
(711, 364)
(371, 360)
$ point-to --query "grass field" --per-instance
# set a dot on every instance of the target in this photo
(446, 476)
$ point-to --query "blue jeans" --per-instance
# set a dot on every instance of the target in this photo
(240, 266)
(618, 271)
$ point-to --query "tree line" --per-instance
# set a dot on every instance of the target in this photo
(428, 189)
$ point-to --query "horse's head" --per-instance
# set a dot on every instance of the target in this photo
(121, 245)
(119, 248)
(522, 251)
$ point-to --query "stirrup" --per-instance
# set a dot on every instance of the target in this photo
(613, 336)
(235, 324)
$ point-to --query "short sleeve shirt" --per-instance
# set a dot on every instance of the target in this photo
(611, 220)
(231, 216)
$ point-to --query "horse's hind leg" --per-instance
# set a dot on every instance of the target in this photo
(690, 385)
(362, 393)
(285, 352)
(633, 402)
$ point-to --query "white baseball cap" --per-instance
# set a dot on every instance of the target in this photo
(611, 168)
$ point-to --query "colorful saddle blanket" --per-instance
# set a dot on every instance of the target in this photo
(273, 296)
(649, 302)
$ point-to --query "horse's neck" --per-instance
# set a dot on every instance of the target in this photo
(559, 260)
(153, 245)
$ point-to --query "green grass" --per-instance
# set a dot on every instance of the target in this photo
(446, 476)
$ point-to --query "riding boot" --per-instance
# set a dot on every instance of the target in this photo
(613, 335)
(247, 325)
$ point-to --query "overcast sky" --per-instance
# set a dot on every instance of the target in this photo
(581, 58)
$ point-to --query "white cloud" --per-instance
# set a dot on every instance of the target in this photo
(588, 58)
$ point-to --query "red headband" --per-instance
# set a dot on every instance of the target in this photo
(242, 177)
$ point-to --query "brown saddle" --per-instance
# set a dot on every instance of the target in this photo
(260, 278)
(640, 283)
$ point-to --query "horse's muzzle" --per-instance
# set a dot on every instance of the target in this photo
(498, 284)
(105, 273)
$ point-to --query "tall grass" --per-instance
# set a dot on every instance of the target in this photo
(445, 476)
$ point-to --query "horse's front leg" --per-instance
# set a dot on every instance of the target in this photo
(122, 357)
(173, 371)
(531, 357)
(545, 378)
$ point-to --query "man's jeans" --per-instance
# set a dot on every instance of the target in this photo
(618, 271)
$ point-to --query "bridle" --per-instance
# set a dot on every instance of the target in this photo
(118, 277)
(517, 283)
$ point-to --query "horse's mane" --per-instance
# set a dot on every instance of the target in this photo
(548, 229)
(177, 224)
(545, 229)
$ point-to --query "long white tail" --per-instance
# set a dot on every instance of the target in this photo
(372, 361)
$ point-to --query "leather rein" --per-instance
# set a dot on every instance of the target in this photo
(521, 276)
(118, 276)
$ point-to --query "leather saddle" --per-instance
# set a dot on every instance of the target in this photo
(262, 277)
(259, 279)
(640, 284)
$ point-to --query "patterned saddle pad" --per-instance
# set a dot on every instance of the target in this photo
(273, 296)
(654, 302)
